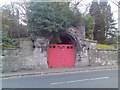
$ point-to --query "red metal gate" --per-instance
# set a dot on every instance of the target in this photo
(60, 55)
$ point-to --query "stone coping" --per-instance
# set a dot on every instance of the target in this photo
(90, 40)
(11, 48)
(22, 39)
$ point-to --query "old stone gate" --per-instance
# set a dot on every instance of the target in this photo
(86, 52)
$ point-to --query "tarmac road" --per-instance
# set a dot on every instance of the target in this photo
(86, 79)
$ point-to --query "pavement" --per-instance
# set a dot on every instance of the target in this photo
(54, 71)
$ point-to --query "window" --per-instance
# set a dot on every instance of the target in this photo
(67, 47)
(53, 46)
(71, 47)
(50, 46)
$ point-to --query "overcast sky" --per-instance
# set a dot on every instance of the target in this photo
(83, 3)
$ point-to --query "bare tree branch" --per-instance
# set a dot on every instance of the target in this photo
(75, 5)
(87, 7)
(118, 3)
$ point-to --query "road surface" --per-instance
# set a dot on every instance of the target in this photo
(86, 79)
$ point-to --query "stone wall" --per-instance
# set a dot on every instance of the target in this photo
(29, 58)
(89, 55)
(11, 60)
(118, 53)
(86, 53)
(108, 57)
(26, 57)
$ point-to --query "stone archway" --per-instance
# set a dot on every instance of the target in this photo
(72, 36)
(69, 38)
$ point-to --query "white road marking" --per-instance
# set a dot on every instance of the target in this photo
(79, 80)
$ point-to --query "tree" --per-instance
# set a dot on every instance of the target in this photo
(10, 21)
(10, 26)
(7, 27)
(89, 26)
(99, 22)
(109, 21)
(50, 18)
(7, 19)
(104, 23)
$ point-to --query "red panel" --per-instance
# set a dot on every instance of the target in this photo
(69, 55)
(60, 55)
(52, 58)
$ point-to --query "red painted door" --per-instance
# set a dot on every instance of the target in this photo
(60, 55)
(69, 56)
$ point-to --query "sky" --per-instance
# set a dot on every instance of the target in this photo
(114, 8)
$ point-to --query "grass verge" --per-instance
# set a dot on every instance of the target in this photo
(102, 46)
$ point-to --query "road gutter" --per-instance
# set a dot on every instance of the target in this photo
(52, 73)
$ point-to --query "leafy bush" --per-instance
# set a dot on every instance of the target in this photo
(7, 41)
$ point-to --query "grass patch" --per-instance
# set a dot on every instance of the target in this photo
(102, 46)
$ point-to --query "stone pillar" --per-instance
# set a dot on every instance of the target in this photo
(26, 47)
(40, 53)
(82, 30)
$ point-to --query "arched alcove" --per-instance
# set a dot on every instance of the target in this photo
(65, 39)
